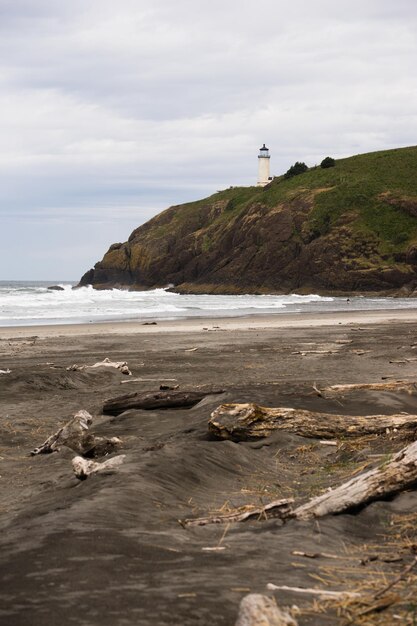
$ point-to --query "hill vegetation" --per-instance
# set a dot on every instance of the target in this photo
(350, 227)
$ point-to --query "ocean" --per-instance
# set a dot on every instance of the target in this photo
(32, 303)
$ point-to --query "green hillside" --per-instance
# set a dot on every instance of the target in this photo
(352, 227)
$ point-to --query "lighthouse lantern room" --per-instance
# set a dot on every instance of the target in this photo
(263, 167)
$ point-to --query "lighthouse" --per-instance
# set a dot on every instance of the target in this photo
(263, 167)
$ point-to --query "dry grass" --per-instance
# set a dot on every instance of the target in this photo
(384, 573)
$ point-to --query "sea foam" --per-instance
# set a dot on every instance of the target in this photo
(29, 303)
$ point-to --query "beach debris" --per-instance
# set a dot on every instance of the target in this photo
(372, 605)
(155, 400)
(213, 549)
(191, 350)
(307, 352)
(256, 609)
(148, 380)
(316, 555)
(149, 323)
(317, 390)
(379, 483)
(277, 508)
(75, 435)
(8, 371)
(241, 422)
(84, 467)
(401, 576)
(168, 387)
(392, 385)
(323, 594)
(119, 365)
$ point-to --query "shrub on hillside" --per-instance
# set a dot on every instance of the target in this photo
(327, 162)
(296, 169)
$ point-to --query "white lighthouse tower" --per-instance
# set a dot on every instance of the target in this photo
(263, 167)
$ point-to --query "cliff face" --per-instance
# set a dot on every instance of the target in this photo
(351, 228)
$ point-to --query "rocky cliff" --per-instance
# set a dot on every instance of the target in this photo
(349, 228)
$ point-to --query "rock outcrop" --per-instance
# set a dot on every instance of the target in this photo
(350, 228)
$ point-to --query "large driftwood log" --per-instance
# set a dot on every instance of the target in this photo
(277, 508)
(83, 468)
(155, 400)
(251, 421)
(75, 435)
(386, 480)
(259, 610)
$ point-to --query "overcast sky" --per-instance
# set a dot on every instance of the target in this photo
(112, 110)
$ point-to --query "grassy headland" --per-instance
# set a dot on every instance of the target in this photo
(352, 227)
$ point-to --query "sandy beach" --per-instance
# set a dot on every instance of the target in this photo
(110, 549)
(254, 322)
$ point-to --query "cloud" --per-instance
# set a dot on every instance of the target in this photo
(107, 106)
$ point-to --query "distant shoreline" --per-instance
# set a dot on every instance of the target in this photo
(214, 324)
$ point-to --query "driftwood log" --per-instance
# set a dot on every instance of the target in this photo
(155, 400)
(258, 610)
(251, 421)
(386, 480)
(393, 385)
(83, 468)
(323, 594)
(118, 365)
(75, 435)
(277, 508)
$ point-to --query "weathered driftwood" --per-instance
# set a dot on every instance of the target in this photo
(390, 478)
(83, 468)
(148, 380)
(8, 371)
(258, 610)
(75, 435)
(277, 508)
(119, 365)
(386, 480)
(324, 594)
(155, 400)
(251, 421)
(317, 555)
(393, 385)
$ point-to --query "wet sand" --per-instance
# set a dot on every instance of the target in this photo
(110, 550)
(282, 320)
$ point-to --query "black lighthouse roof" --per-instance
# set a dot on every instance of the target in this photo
(264, 147)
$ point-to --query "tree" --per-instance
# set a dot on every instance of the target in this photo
(296, 169)
(327, 162)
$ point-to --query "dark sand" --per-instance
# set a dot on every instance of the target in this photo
(110, 551)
